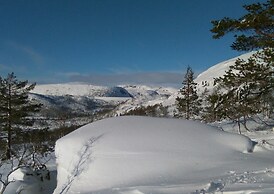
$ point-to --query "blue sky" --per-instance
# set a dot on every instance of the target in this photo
(52, 41)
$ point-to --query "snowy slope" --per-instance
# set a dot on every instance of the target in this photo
(89, 98)
(145, 96)
(206, 79)
(142, 155)
(127, 96)
(75, 89)
(218, 70)
(69, 103)
(77, 100)
(68, 110)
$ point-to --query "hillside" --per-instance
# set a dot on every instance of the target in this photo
(86, 99)
(119, 100)
(76, 89)
(206, 78)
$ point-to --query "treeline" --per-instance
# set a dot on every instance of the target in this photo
(157, 110)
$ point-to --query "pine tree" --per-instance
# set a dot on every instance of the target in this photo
(210, 110)
(16, 111)
(19, 140)
(188, 104)
(248, 86)
(254, 30)
(246, 89)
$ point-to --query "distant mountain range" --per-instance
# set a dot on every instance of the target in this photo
(76, 89)
(84, 99)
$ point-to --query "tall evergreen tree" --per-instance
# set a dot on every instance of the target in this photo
(248, 86)
(210, 110)
(188, 103)
(16, 111)
(251, 80)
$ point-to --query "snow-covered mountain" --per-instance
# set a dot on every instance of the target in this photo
(86, 98)
(206, 78)
(146, 96)
(76, 89)
(77, 104)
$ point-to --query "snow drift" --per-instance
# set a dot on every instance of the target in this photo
(145, 154)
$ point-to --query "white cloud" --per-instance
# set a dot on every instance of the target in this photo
(149, 78)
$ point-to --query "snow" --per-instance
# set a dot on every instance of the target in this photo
(26, 181)
(218, 70)
(77, 89)
(137, 155)
(147, 96)
(31, 184)
(158, 155)
(78, 97)
(127, 97)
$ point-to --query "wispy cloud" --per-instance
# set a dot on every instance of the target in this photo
(149, 78)
(51, 77)
(33, 55)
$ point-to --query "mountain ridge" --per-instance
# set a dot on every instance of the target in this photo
(87, 98)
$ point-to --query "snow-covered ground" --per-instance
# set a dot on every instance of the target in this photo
(27, 181)
(32, 185)
(142, 155)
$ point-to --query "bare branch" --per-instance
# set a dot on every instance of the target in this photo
(84, 156)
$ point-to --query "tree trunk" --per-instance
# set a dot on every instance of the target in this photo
(3, 188)
(244, 124)
(8, 153)
(239, 126)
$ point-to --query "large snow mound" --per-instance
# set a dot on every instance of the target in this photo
(146, 154)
